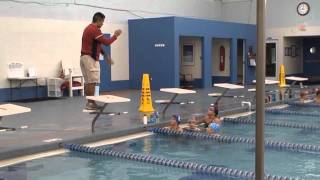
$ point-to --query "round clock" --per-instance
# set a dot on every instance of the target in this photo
(303, 8)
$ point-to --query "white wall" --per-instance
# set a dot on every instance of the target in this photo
(243, 11)
(216, 57)
(195, 70)
(43, 35)
(43, 43)
(294, 65)
(283, 13)
(283, 21)
(127, 9)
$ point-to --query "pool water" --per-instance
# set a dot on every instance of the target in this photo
(304, 109)
(293, 118)
(82, 166)
(78, 166)
(291, 135)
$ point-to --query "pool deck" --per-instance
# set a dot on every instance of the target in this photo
(62, 120)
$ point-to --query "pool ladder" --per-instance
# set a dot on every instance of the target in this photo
(248, 103)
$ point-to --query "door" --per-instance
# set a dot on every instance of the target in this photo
(240, 61)
(271, 59)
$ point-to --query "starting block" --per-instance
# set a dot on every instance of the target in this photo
(267, 82)
(226, 86)
(294, 80)
(105, 99)
(176, 92)
(220, 94)
(166, 101)
(11, 109)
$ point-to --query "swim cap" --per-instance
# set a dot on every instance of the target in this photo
(215, 127)
(177, 118)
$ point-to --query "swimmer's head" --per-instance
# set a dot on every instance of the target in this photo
(317, 92)
(215, 127)
(303, 94)
(176, 118)
(213, 111)
(193, 120)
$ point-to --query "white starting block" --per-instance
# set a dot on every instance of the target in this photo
(176, 92)
(268, 81)
(11, 109)
(220, 94)
(226, 86)
(294, 80)
(105, 99)
(166, 101)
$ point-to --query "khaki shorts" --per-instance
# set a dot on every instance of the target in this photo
(90, 69)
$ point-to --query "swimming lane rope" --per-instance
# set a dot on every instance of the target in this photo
(237, 139)
(245, 120)
(201, 168)
(289, 112)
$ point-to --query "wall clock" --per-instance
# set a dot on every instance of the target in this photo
(303, 8)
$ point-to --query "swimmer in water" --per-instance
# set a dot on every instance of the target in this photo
(317, 98)
(214, 129)
(303, 96)
(192, 125)
(212, 116)
(174, 123)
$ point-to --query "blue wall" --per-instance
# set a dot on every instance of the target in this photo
(22, 93)
(163, 63)
(144, 57)
(311, 62)
(105, 74)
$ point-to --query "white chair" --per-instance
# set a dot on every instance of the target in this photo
(72, 73)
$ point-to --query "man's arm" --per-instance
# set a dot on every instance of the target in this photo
(102, 51)
(100, 37)
(106, 41)
(108, 59)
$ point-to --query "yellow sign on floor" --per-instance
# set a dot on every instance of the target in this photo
(282, 76)
(145, 99)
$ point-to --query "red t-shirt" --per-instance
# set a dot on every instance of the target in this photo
(92, 39)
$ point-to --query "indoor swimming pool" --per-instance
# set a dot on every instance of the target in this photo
(223, 155)
(79, 165)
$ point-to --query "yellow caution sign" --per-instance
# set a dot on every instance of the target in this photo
(282, 76)
(145, 99)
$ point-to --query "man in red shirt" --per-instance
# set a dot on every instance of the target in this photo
(92, 40)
